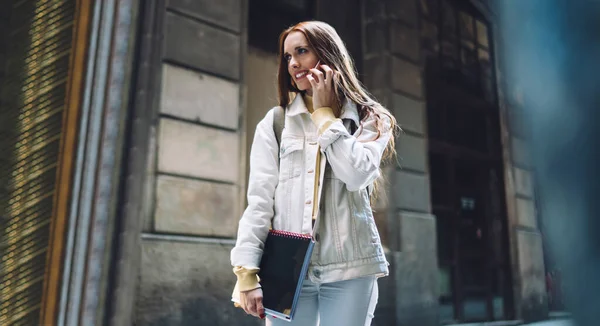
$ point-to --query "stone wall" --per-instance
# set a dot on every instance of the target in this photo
(187, 283)
(196, 167)
(393, 72)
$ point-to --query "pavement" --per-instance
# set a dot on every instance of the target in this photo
(560, 322)
(553, 322)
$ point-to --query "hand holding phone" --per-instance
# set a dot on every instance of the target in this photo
(321, 79)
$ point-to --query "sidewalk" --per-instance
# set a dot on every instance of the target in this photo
(560, 322)
(555, 322)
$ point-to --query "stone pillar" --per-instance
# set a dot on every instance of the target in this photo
(527, 255)
(197, 154)
(393, 71)
(525, 238)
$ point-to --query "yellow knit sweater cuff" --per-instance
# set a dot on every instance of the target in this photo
(323, 118)
(247, 278)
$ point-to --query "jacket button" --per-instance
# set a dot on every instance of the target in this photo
(308, 202)
(317, 237)
(317, 273)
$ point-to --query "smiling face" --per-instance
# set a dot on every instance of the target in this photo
(300, 57)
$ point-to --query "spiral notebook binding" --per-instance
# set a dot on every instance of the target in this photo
(291, 235)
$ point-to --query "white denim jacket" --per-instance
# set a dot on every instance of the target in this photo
(347, 241)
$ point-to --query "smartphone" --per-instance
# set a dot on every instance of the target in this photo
(317, 67)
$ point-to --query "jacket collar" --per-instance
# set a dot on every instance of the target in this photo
(349, 110)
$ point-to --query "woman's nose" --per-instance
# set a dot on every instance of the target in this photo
(293, 63)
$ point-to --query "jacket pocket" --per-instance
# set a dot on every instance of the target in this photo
(290, 158)
(334, 229)
(369, 241)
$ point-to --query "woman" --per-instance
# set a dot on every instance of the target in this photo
(335, 138)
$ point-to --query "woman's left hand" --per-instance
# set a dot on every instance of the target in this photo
(322, 87)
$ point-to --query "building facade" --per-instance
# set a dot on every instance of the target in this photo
(127, 129)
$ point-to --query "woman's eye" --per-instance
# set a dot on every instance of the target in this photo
(302, 50)
(287, 57)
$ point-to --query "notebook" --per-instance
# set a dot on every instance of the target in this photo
(283, 268)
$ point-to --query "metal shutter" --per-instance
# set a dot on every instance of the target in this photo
(35, 48)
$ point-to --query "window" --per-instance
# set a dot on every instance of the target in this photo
(458, 36)
(268, 18)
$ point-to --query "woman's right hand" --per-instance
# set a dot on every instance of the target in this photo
(322, 86)
(252, 302)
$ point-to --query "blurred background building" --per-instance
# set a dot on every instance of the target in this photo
(125, 131)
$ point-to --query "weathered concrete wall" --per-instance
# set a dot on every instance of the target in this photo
(187, 283)
(196, 167)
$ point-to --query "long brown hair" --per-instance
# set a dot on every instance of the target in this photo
(330, 50)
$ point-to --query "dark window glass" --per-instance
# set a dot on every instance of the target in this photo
(466, 176)
(482, 33)
(484, 61)
(468, 128)
(450, 57)
(469, 65)
(486, 78)
(463, 47)
(466, 25)
(429, 37)
(468, 54)
(445, 239)
(487, 87)
(436, 117)
(301, 5)
(268, 18)
(448, 19)
(438, 169)
(429, 8)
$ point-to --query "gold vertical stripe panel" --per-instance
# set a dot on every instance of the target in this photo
(32, 109)
(68, 144)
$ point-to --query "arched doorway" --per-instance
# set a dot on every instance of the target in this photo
(465, 160)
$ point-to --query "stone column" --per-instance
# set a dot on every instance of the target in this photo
(529, 282)
(193, 202)
(525, 238)
(393, 71)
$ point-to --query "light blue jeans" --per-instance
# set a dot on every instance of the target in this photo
(348, 303)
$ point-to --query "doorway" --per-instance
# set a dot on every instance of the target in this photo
(466, 167)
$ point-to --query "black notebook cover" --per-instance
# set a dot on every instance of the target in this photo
(283, 268)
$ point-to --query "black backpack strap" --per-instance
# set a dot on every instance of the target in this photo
(353, 129)
(278, 124)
